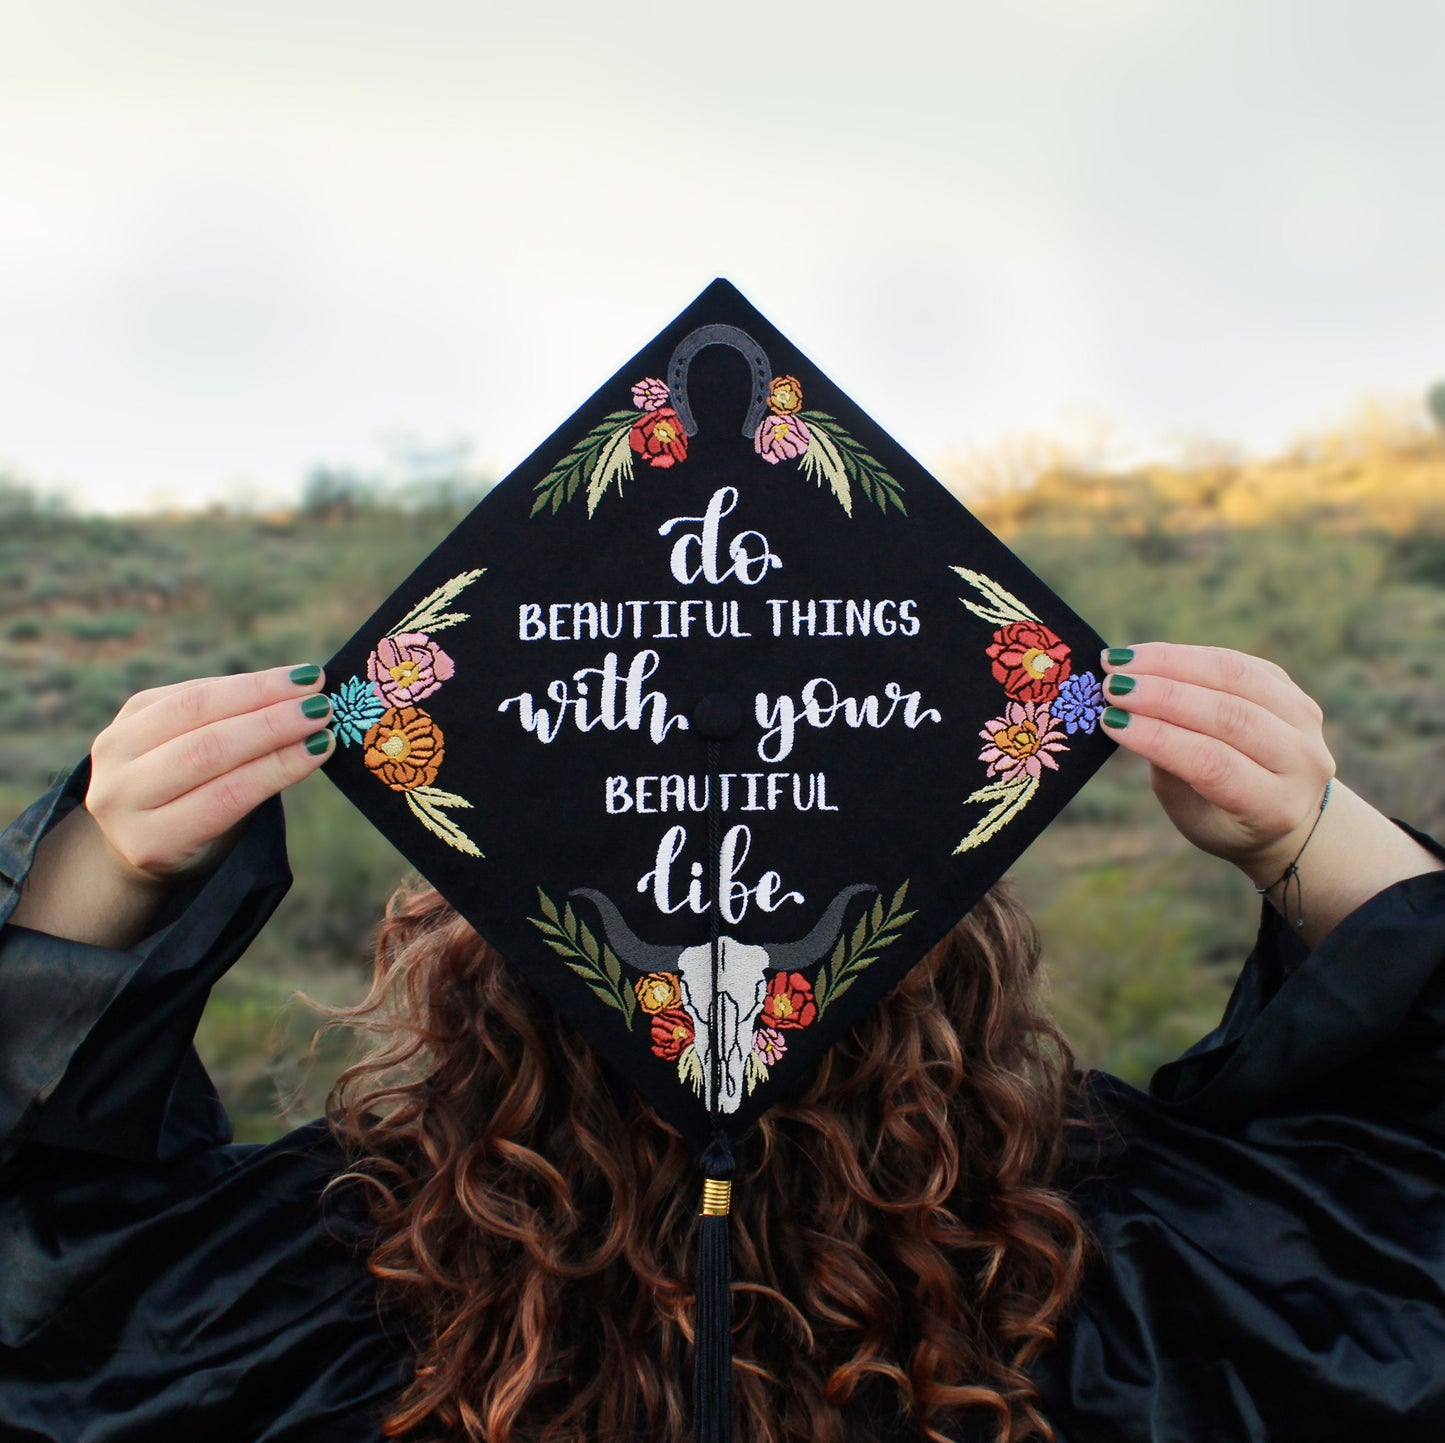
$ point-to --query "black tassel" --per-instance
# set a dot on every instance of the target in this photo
(712, 1390)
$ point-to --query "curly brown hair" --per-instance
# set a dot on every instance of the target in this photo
(899, 1255)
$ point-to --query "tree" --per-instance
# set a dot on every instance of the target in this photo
(1435, 400)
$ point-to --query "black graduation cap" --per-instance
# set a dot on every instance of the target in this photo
(713, 717)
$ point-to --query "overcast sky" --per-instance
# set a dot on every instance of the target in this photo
(236, 241)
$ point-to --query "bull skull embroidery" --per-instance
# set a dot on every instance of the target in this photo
(743, 972)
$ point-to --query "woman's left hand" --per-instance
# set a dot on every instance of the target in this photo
(1238, 760)
(1236, 751)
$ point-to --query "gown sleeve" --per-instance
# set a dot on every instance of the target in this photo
(1269, 1217)
(156, 1280)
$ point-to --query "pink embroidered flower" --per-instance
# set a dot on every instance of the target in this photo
(650, 394)
(1019, 742)
(407, 667)
(781, 438)
(769, 1045)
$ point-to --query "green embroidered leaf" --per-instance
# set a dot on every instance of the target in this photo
(614, 463)
(589, 943)
(856, 462)
(439, 798)
(876, 931)
(860, 931)
(428, 615)
(822, 461)
(689, 1069)
(439, 824)
(755, 1071)
(999, 606)
(562, 481)
(573, 941)
(1009, 799)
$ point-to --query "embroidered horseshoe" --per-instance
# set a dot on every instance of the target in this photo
(746, 347)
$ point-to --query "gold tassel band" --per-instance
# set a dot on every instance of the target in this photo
(717, 1197)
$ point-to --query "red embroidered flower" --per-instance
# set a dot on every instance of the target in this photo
(1030, 661)
(672, 1033)
(658, 437)
(789, 1002)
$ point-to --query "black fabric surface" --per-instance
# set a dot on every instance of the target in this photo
(1270, 1218)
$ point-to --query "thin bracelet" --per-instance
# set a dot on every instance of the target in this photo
(1291, 872)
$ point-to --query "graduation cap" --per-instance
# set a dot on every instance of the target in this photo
(713, 717)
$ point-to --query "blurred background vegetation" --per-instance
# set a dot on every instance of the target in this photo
(1329, 559)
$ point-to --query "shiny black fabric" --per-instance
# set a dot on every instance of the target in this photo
(1270, 1217)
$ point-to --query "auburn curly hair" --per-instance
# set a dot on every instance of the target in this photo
(900, 1259)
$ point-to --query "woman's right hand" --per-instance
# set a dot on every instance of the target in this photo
(173, 779)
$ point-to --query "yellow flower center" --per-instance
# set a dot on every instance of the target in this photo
(782, 1006)
(780, 429)
(1038, 663)
(678, 1032)
(396, 746)
(664, 433)
(405, 673)
(1019, 741)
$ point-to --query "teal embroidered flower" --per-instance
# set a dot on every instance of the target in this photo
(355, 709)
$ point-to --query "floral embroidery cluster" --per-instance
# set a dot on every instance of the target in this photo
(789, 1006)
(1045, 701)
(790, 1001)
(653, 432)
(401, 744)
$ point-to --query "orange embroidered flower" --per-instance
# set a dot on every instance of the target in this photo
(405, 748)
(785, 395)
(658, 991)
(789, 1002)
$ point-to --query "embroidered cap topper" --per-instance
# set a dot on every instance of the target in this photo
(718, 600)
(713, 717)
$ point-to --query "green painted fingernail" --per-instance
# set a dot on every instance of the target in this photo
(317, 742)
(1120, 685)
(316, 706)
(1116, 717)
(305, 675)
(1119, 655)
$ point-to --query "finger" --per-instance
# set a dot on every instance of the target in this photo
(172, 833)
(1220, 669)
(1246, 726)
(1224, 777)
(197, 757)
(171, 711)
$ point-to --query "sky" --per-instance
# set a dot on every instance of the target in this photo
(238, 242)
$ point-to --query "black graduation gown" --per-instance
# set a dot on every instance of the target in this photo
(1270, 1216)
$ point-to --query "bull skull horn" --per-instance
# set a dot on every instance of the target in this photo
(630, 948)
(790, 956)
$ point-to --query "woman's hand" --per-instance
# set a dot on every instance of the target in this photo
(1238, 760)
(173, 779)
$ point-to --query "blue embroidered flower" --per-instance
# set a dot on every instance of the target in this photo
(355, 709)
(1080, 703)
